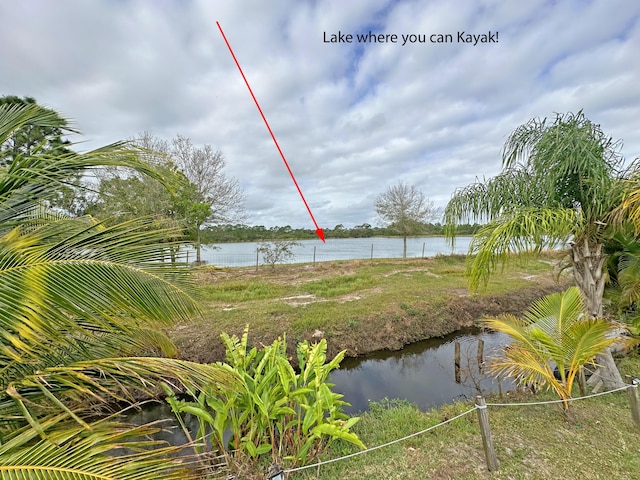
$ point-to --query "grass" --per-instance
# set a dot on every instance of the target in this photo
(365, 305)
(532, 442)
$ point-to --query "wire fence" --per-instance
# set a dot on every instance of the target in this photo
(481, 407)
(312, 252)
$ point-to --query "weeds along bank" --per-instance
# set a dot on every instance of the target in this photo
(360, 306)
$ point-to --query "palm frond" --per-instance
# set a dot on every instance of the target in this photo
(511, 191)
(554, 333)
(527, 230)
(110, 450)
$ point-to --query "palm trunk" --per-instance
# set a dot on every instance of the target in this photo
(588, 270)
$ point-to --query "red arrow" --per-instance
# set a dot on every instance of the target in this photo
(319, 231)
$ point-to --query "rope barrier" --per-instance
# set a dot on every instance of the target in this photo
(476, 407)
(557, 401)
(313, 465)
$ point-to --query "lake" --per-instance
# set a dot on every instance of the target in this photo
(243, 254)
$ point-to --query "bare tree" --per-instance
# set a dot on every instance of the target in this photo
(405, 209)
(203, 167)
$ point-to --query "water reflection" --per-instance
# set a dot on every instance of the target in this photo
(423, 373)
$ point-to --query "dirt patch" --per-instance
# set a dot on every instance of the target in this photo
(408, 270)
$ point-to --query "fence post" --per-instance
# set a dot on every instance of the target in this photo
(423, 243)
(456, 361)
(485, 430)
(257, 258)
(634, 402)
(372, 251)
(314, 255)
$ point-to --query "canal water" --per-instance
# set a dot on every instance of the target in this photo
(423, 373)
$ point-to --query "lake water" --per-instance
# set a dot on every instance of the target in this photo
(243, 254)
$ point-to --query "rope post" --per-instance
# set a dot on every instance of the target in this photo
(456, 361)
(480, 356)
(485, 430)
(314, 255)
(257, 258)
(275, 472)
(372, 251)
(634, 401)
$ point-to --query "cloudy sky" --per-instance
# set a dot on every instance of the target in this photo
(351, 118)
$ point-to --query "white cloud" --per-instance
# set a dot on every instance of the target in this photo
(350, 118)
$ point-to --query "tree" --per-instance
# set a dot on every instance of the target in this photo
(76, 297)
(44, 135)
(406, 209)
(203, 167)
(559, 184)
(277, 251)
(551, 343)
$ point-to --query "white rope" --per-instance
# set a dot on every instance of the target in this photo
(557, 401)
(379, 446)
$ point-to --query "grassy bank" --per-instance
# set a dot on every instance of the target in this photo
(532, 442)
(359, 305)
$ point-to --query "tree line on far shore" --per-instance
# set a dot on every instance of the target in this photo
(260, 233)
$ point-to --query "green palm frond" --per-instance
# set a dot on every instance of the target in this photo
(105, 381)
(75, 295)
(508, 192)
(110, 450)
(527, 230)
(554, 332)
(66, 284)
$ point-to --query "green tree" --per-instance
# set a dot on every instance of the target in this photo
(551, 343)
(559, 184)
(76, 298)
(405, 208)
(43, 135)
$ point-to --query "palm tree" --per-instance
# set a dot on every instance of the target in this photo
(77, 297)
(559, 184)
(551, 343)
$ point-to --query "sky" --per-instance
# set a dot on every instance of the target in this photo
(351, 118)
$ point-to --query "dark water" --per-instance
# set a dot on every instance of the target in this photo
(423, 373)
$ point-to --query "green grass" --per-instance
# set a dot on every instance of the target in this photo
(335, 286)
(531, 442)
(241, 291)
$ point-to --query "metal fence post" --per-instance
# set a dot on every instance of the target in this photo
(485, 430)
